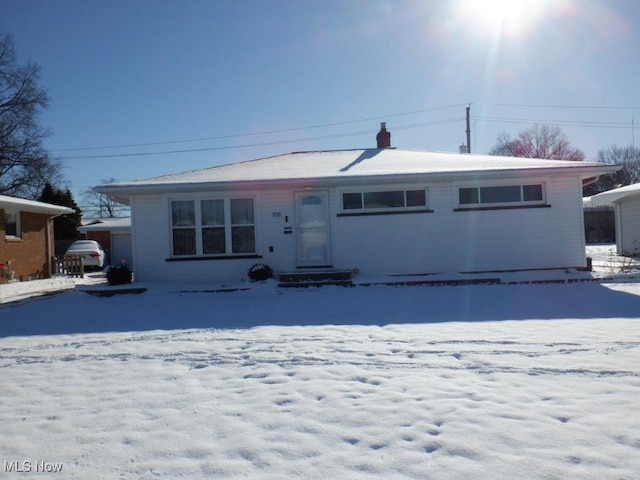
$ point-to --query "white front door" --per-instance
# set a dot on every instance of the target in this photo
(312, 229)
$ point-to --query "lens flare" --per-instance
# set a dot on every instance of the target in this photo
(515, 18)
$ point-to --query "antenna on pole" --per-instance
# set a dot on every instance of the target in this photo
(633, 134)
(468, 129)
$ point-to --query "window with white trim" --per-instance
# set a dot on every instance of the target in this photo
(212, 227)
(12, 224)
(501, 195)
(384, 200)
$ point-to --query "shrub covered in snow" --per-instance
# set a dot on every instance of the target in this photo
(260, 271)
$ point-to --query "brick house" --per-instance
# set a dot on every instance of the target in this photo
(26, 237)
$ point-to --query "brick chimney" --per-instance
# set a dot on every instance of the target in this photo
(383, 138)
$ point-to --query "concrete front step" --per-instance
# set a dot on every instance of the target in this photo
(308, 277)
(310, 283)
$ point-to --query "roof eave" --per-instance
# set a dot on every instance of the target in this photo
(53, 210)
(122, 192)
(612, 196)
(103, 228)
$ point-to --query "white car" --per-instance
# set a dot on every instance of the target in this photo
(89, 250)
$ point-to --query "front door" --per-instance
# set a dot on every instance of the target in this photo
(312, 229)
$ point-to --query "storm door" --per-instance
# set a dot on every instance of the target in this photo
(312, 229)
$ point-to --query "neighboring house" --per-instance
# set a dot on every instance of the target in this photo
(113, 235)
(626, 201)
(380, 212)
(599, 222)
(26, 237)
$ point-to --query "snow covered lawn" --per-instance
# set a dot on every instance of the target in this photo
(468, 382)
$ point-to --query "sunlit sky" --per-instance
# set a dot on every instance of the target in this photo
(209, 78)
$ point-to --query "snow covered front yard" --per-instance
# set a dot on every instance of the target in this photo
(466, 382)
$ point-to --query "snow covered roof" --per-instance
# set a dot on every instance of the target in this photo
(616, 194)
(587, 203)
(33, 206)
(118, 224)
(349, 166)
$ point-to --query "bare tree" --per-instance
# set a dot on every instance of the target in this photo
(504, 146)
(99, 205)
(25, 166)
(537, 141)
(626, 157)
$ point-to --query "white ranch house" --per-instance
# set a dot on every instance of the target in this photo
(378, 212)
(626, 201)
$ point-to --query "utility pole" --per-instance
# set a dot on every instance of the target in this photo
(468, 130)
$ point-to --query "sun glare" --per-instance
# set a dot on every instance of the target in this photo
(500, 11)
(512, 16)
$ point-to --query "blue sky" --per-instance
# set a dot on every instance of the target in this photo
(211, 76)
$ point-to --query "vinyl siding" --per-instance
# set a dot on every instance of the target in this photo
(277, 213)
(398, 243)
(533, 238)
(150, 236)
(441, 241)
(462, 241)
(152, 240)
(629, 225)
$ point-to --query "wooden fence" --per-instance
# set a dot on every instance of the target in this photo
(72, 265)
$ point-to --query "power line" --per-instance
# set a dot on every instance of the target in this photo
(568, 123)
(259, 144)
(615, 125)
(265, 132)
(207, 149)
(576, 107)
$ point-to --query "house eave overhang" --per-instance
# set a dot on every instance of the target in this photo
(102, 228)
(616, 195)
(34, 206)
(122, 192)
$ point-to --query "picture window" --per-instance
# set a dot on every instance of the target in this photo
(213, 227)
